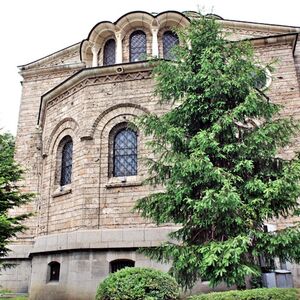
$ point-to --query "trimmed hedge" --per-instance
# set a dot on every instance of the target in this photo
(138, 284)
(255, 294)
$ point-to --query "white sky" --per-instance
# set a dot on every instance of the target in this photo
(31, 29)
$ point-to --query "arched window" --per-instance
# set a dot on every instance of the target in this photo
(54, 270)
(119, 264)
(66, 161)
(109, 53)
(138, 46)
(125, 153)
(170, 39)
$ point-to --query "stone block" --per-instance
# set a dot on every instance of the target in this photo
(112, 235)
(134, 234)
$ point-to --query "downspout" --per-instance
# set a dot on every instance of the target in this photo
(295, 43)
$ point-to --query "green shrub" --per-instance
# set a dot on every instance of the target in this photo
(256, 294)
(138, 284)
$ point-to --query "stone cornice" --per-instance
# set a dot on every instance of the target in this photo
(93, 76)
(103, 239)
(258, 27)
(50, 72)
(52, 60)
(280, 39)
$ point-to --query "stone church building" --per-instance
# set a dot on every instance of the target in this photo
(84, 163)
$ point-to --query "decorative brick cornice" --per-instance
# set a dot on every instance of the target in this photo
(50, 73)
(96, 81)
(90, 77)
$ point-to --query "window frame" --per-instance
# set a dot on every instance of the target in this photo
(111, 140)
(104, 52)
(113, 265)
(167, 53)
(134, 155)
(63, 164)
(53, 266)
(131, 48)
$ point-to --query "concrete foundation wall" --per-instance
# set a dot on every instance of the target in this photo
(17, 277)
(80, 273)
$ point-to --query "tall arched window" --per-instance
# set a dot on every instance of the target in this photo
(138, 46)
(125, 153)
(66, 161)
(109, 53)
(170, 39)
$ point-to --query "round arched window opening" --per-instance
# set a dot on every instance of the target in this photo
(66, 146)
(53, 271)
(170, 40)
(119, 264)
(125, 153)
(138, 46)
(109, 53)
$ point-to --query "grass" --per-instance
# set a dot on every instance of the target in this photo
(9, 295)
(252, 294)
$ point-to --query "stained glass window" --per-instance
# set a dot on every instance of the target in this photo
(138, 46)
(109, 53)
(66, 161)
(125, 153)
(170, 39)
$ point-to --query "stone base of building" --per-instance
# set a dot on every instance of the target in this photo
(85, 258)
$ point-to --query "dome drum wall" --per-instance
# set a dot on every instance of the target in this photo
(120, 31)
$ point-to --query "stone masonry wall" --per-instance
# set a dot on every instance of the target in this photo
(89, 113)
(28, 141)
(94, 199)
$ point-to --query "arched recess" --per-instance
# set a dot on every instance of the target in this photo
(93, 45)
(51, 170)
(172, 19)
(131, 22)
(86, 55)
(91, 49)
(65, 124)
(136, 19)
(67, 127)
(169, 21)
(105, 116)
(119, 264)
(102, 127)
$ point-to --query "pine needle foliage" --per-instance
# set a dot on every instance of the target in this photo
(11, 195)
(216, 154)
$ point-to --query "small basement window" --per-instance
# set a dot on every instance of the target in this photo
(54, 269)
(119, 264)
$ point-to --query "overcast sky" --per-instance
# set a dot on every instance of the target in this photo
(31, 29)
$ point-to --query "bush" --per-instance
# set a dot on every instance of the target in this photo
(256, 294)
(138, 284)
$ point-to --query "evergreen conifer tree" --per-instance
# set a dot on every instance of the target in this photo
(216, 154)
(11, 195)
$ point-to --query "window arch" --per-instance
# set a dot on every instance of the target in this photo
(53, 271)
(66, 146)
(125, 153)
(119, 264)
(170, 39)
(138, 46)
(109, 53)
